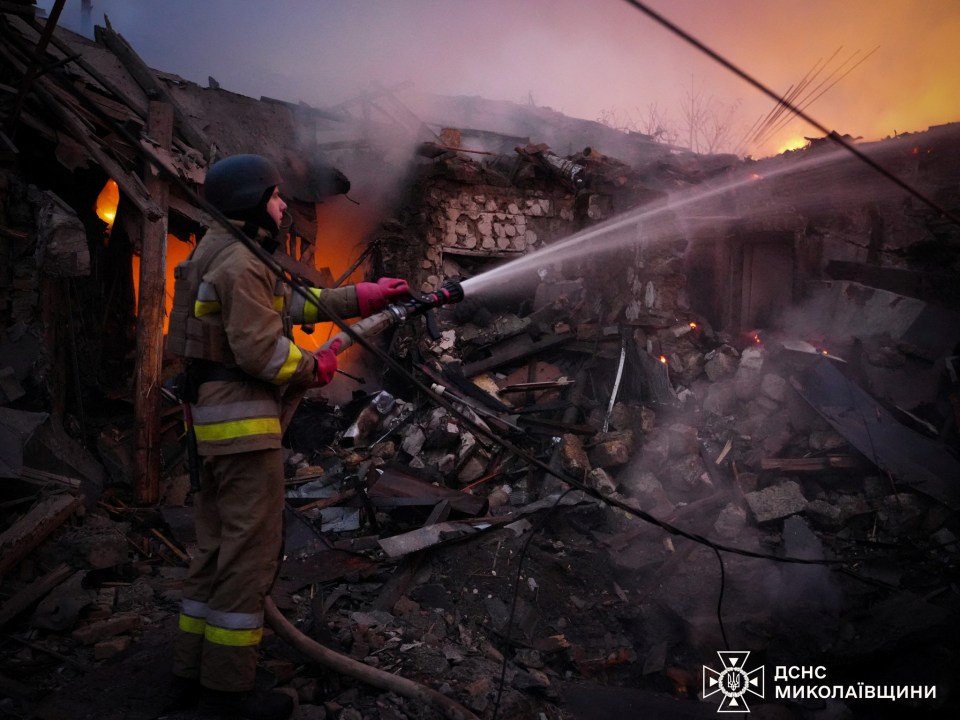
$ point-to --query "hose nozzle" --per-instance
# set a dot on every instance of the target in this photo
(450, 292)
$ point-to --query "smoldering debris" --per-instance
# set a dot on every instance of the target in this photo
(648, 362)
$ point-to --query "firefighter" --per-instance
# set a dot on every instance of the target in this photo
(230, 321)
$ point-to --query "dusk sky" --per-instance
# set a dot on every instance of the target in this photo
(584, 58)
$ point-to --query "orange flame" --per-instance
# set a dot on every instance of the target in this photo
(107, 202)
(663, 359)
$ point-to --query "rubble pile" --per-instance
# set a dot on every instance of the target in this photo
(789, 490)
(417, 542)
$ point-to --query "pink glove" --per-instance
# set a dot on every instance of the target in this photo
(326, 363)
(373, 297)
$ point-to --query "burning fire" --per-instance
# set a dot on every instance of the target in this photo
(663, 359)
(177, 252)
(107, 202)
(693, 326)
(794, 143)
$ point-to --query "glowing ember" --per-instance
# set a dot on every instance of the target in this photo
(693, 326)
(663, 359)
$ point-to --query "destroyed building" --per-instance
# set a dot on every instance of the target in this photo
(748, 368)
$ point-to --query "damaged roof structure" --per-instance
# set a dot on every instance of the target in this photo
(689, 404)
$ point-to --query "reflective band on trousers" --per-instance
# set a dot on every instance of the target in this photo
(192, 625)
(232, 638)
(221, 628)
(194, 607)
(193, 616)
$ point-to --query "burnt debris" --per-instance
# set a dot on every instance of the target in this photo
(761, 367)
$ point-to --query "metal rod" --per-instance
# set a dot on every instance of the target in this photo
(616, 383)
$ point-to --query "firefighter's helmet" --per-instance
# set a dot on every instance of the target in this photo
(239, 184)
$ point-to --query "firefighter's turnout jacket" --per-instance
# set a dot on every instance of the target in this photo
(233, 314)
(232, 320)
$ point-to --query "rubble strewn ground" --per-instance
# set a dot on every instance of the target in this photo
(601, 597)
(756, 396)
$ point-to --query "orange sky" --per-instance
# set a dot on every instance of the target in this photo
(581, 57)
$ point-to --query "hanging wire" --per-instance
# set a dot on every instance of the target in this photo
(835, 137)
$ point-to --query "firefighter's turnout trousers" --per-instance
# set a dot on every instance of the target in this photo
(239, 517)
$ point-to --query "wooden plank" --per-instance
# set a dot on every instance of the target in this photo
(809, 464)
(33, 528)
(152, 86)
(130, 184)
(43, 477)
(320, 278)
(33, 592)
(467, 252)
(515, 349)
(935, 287)
(150, 312)
(531, 386)
(136, 104)
(917, 460)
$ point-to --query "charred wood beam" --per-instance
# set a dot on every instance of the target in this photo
(33, 69)
(933, 287)
(33, 592)
(809, 464)
(556, 427)
(30, 530)
(150, 312)
(136, 104)
(303, 271)
(130, 184)
(154, 88)
(515, 349)
(533, 386)
(654, 379)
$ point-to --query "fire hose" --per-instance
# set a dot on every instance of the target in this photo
(450, 292)
(353, 668)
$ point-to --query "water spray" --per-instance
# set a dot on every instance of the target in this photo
(655, 220)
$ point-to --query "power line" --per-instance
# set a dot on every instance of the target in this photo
(835, 137)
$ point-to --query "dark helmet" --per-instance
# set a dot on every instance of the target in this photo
(240, 183)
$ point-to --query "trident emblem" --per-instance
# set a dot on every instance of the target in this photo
(733, 681)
